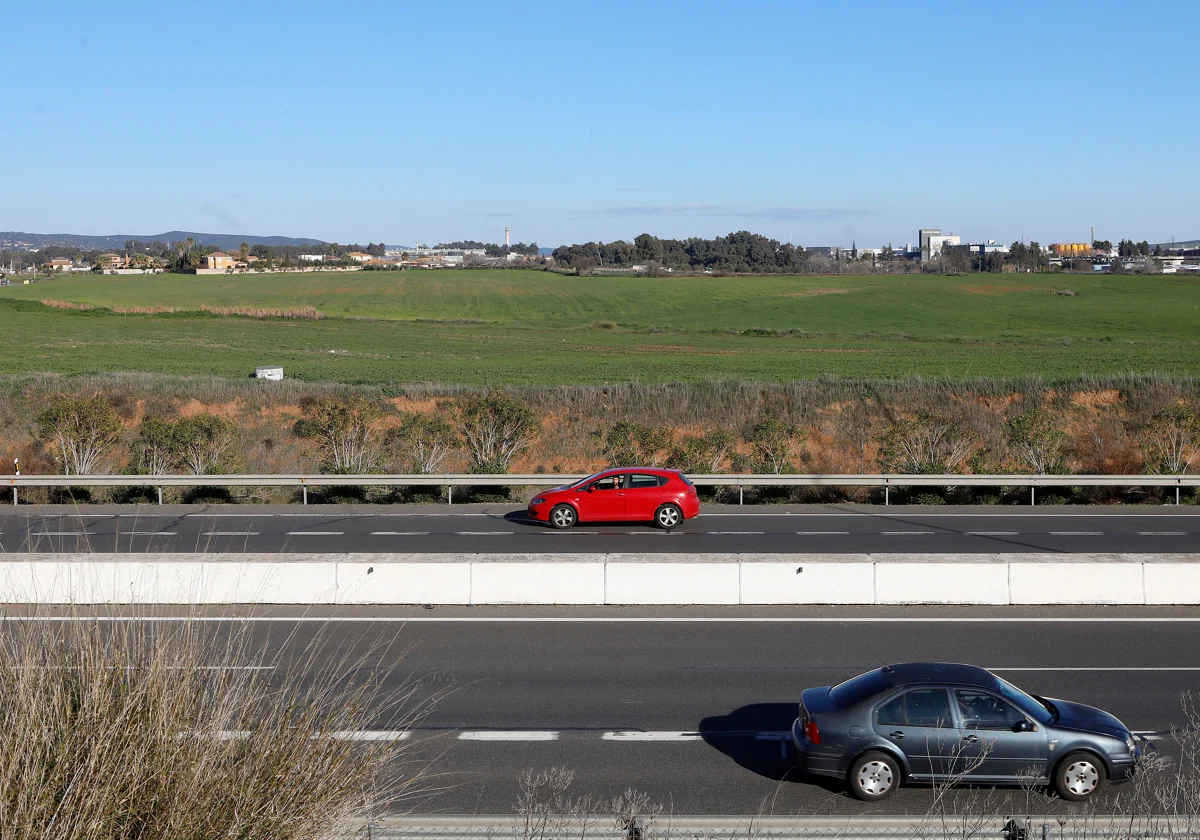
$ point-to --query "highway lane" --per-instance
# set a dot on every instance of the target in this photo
(504, 529)
(690, 705)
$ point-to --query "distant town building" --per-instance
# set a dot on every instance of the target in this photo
(59, 264)
(312, 258)
(932, 241)
(218, 261)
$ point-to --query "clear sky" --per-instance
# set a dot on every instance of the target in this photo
(821, 122)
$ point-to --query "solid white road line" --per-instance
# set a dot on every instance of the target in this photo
(315, 533)
(492, 735)
(651, 736)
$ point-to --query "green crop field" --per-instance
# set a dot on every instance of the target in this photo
(528, 327)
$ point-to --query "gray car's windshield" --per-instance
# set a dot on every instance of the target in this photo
(1027, 704)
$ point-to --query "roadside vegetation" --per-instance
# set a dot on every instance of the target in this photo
(170, 732)
(153, 425)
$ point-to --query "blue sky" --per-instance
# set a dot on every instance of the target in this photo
(822, 122)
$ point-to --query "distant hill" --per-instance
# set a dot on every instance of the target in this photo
(1186, 245)
(24, 241)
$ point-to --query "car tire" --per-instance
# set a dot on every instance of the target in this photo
(562, 517)
(1079, 776)
(874, 776)
(668, 516)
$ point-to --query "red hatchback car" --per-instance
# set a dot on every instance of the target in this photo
(624, 494)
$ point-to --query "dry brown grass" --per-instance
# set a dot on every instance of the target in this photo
(66, 304)
(304, 313)
(151, 731)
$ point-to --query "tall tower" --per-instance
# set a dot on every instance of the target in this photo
(506, 242)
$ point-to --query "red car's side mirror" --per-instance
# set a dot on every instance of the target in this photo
(591, 488)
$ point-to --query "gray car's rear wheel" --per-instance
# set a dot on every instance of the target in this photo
(1079, 776)
(874, 776)
(667, 517)
(562, 517)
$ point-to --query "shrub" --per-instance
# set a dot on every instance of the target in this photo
(156, 449)
(423, 442)
(1036, 437)
(626, 443)
(495, 427)
(202, 444)
(925, 444)
(774, 443)
(1172, 437)
(704, 453)
(341, 426)
(83, 428)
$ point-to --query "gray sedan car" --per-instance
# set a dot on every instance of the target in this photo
(932, 722)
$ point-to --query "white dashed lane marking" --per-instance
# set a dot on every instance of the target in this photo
(229, 534)
(991, 533)
(822, 533)
(315, 533)
(1077, 533)
(1162, 533)
(400, 533)
(907, 533)
(495, 735)
(651, 736)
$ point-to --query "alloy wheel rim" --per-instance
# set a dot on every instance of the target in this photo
(562, 517)
(1082, 777)
(668, 517)
(875, 778)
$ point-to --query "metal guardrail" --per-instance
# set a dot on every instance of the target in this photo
(932, 827)
(741, 481)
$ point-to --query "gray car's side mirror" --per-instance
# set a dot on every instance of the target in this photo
(1023, 726)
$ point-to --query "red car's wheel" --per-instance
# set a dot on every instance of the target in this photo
(562, 517)
(668, 516)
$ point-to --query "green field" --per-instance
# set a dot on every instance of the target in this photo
(478, 327)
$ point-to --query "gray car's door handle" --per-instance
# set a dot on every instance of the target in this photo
(970, 739)
(899, 736)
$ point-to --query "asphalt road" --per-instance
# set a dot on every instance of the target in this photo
(719, 529)
(691, 705)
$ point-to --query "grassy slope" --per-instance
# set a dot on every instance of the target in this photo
(536, 327)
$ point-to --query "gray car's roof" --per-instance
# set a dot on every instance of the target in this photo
(938, 672)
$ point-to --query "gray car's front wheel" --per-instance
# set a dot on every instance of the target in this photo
(875, 776)
(1079, 776)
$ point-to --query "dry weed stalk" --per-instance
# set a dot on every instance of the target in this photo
(161, 732)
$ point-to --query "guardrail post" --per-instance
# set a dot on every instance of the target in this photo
(304, 490)
(1177, 492)
(887, 493)
(449, 494)
(160, 494)
(741, 494)
(1032, 489)
(14, 495)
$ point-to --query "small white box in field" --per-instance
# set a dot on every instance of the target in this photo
(273, 373)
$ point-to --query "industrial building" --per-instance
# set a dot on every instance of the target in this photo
(932, 241)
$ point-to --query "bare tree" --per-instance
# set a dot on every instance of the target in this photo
(202, 444)
(1036, 437)
(926, 444)
(1173, 439)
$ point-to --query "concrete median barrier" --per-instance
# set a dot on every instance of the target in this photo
(598, 579)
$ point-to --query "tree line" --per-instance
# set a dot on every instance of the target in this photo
(491, 249)
(740, 252)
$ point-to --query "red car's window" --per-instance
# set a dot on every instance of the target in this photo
(609, 482)
(642, 480)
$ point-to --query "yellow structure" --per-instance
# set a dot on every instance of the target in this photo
(1070, 249)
